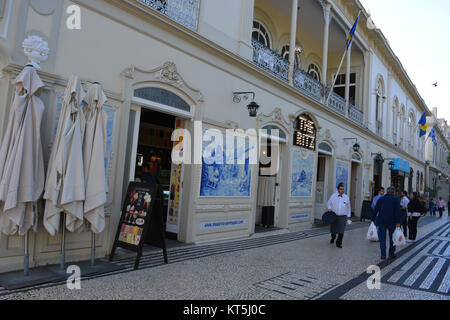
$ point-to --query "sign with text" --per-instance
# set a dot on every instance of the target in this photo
(305, 133)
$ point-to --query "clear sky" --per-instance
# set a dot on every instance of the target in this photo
(418, 32)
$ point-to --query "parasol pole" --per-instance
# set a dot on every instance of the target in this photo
(63, 243)
(93, 249)
(26, 262)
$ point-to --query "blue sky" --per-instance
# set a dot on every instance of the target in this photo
(418, 32)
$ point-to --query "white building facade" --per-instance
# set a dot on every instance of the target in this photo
(175, 64)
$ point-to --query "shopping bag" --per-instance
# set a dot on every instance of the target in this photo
(398, 237)
(372, 233)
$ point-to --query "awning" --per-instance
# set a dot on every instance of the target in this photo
(401, 165)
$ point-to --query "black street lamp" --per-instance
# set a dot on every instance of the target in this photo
(252, 106)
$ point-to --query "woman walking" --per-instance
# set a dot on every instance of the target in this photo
(415, 211)
(441, 206)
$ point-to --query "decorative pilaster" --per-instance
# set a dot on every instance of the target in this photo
(325, 45)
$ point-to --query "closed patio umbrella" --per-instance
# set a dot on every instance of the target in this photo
(94, 146)
(22, 175)
(64, 188)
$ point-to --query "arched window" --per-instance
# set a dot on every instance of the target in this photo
(402, 126)
(394, 120)
(260, 34)
(314, 71)
(285, 54)
(379, 99)
(325, 148)
(411, 130)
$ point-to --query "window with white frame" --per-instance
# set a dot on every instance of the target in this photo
(339, 87)
(260, 33)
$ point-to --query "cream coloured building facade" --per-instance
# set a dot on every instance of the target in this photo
(148, 54)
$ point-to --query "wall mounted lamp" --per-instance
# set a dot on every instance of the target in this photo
(252, 106)
(356, 146)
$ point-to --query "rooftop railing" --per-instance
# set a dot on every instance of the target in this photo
(185, 12)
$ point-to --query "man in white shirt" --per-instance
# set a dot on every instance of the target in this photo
(339, 203)
(404, 211)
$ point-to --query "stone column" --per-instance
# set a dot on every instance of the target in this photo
(325, 44)
(293, 41)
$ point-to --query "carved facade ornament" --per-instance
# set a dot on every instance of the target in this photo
(275, 116)
(168, 74)
(36, 50)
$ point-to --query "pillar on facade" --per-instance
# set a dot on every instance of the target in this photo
(325, 44)
(347, 78)
(292, 43)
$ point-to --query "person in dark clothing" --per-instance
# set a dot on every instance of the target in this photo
(415, 211)
(388, 218)
(148, 176)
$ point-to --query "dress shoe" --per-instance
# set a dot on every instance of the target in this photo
(383, 258)
(339, 245)
(392, 256)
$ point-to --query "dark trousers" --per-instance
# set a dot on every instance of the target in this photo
(412, 225)
(441, 211)
(404, 222)
(340, 237)
(382, 237)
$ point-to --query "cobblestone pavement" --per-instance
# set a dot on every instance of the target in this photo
(282, 265)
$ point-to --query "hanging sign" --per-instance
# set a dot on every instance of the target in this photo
(141, 221)
(305, 133)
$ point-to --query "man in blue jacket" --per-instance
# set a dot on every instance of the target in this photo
(389, 217)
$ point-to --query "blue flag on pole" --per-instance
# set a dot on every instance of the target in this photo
(433, 136)
(423, 125)
(352, 32)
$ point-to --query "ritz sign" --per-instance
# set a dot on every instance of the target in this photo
(305, 133)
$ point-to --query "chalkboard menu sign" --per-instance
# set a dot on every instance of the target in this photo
(305, 133)
(142, 219)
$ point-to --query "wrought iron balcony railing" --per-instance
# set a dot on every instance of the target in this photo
(307, 84)
(270, 60)
(185, 12)
(355, 114)
(337, 103)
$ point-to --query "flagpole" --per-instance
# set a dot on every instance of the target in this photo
(347, 46)
(335, 77)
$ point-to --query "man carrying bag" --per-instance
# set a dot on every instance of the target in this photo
(339, 203)
(388, 218)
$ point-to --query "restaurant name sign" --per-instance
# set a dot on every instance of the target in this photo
(305, 133)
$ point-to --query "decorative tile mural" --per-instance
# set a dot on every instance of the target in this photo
(222, 177)
(302, 175)
(342, 173)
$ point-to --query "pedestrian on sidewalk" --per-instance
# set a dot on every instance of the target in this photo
(415, 211)
(404, 211)
(388, 218)
(431, 207)
(441, 206)
(374, 202)
(339, 203)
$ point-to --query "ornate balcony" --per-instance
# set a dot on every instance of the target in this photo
(185, 12)
(337, 103)
(355, 114)
(307, 84)
(270, 61)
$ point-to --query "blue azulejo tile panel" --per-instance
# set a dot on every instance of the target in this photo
(342, 174)
(226, 169)
(302, 175)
